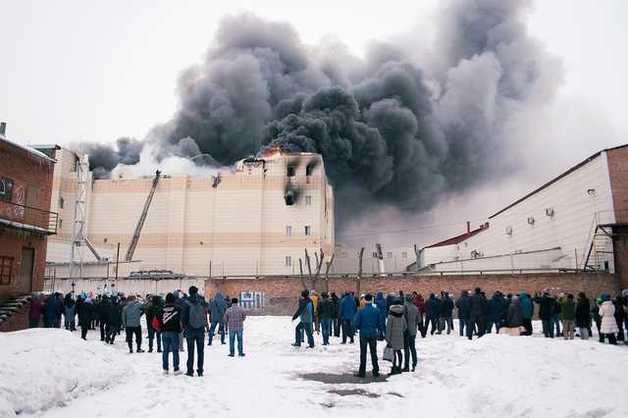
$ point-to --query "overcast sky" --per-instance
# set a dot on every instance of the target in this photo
(96, 71)
(76, 70)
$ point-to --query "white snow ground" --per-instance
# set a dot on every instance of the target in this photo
(51, 373)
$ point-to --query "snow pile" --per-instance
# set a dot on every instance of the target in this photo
(494, 376)
(45, 368)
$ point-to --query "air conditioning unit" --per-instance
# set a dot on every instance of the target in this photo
(509, 230)
(530, 220)
(549, 212)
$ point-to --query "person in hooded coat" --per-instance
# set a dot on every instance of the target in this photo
(85, 314)
(69, 312)
(217, 309)
(380, 302)
(348, 309)
(527, 309)
(411, 315)
(514, 317)
(395, 328)
(305, 313)
(583, 316)
(52, 311)
(608, 327)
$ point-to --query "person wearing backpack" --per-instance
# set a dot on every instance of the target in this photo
(194, 325)
(170, 326)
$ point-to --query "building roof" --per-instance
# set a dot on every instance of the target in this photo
(30, 150)
(459, 238)
(555, 179)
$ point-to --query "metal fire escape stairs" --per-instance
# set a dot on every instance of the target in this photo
(140, 222)
(598, 251)
(79, 236)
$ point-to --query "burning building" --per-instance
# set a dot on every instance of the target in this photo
(256, 217)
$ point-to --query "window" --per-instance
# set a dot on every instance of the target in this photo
(309, 169)
(308, 230)
(288, 231)
(6, 188)
(288, 261)
(61, 201)
(60, 223)
(6, 264)
(404, 254)
(389, 254)
(291, 171)
(308, 200)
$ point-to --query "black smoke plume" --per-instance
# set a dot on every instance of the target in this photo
(392, 129)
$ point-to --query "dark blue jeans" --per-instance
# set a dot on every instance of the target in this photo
(170, 345)
(232, 337)
(462, 325)
(326, 330)
(298, 336)
(195, 336)
(409, 349)
(212, 331)
(347, 330)
(152, 333)
(548, 328)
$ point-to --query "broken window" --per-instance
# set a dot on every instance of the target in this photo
(308, 230)
(61, 202)
(290, 198)
(291, 171)
(288, 261)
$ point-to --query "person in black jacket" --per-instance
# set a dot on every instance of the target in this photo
(86, 315)
(336, 317)
(477, 311)
(464, 312)
(583, 316)
(170, 327)
(446, 311)
(113, 320)
(546, 311)
(432, 307)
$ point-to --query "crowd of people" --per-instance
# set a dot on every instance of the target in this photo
(395, 318)
(398, 318)
(180, 317)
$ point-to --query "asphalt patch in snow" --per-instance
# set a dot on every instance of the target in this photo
(345, 378)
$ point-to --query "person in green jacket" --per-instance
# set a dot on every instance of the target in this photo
(568, 316)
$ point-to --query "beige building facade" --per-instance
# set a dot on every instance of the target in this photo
(254, 218)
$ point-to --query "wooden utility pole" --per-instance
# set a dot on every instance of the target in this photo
(359, 278)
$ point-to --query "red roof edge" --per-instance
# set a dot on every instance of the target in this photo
(459, 238)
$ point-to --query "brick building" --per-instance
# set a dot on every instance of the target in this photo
(25, 217)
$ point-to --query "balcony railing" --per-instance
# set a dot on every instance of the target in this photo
(28, 218)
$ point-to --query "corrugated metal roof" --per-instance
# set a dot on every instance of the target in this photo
(555, 179)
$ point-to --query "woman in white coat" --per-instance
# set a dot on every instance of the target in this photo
(609, 324)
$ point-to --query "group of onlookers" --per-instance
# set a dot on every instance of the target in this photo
(398, 319)
(180, 317)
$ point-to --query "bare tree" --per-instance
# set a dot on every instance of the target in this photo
(308, 264)
(301, 274)
(328, 267)
(319, 265)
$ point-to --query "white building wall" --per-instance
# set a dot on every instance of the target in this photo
(579, 201)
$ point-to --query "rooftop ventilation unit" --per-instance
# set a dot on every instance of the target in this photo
(549, 212)
(530, 220)
(509, 230)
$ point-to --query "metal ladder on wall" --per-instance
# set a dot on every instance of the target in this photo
(140, 222)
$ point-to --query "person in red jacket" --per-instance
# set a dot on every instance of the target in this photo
(419, 302)
(34, 316)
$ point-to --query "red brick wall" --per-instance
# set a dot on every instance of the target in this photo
(25, 169)
(618, 173)
(280, 294)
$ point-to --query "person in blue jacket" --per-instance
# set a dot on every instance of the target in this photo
(347, 311)
(380, 302)
(305, 313)
(367, 321)
(527, 308)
